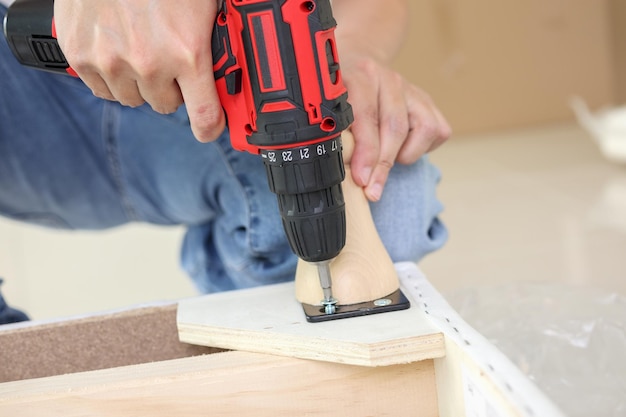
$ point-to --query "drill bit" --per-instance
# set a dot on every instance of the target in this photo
(329, 303)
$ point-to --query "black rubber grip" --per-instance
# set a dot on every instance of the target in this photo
(28, 29)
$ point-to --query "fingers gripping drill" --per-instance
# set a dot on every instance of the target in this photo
(279, 82)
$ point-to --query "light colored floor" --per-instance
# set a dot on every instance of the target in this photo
(536, 261)
(533, 204)
(530, 205)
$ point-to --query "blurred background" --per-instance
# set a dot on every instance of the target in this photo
(535, 200)
(494, 65)
(535, 193)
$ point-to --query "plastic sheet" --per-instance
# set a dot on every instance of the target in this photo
(606, 126)
(571, 341)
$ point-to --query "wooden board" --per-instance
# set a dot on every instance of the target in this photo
(472, 379)
(229, 384)
(270, 320)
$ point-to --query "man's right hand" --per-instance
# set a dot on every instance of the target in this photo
(138, 51)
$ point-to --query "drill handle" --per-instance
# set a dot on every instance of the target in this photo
(31, 34)
(29, 30)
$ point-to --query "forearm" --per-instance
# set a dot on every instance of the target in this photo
(375, 28)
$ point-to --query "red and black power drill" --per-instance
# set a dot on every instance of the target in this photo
(278, 79)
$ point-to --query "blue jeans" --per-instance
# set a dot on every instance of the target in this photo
(71, 160)
(8, 314)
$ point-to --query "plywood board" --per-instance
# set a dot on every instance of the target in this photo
(270, 320)
(229, 384)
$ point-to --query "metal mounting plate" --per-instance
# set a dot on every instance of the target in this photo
(393, 302)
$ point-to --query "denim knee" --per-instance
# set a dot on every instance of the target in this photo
(53, 168)
(407, 216)
(244, 245)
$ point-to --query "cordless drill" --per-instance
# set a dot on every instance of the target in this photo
(279, 82)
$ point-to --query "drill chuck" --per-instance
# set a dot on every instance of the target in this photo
(307, 182)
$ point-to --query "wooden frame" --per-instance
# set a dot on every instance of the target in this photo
(471, 378)
(229, 383)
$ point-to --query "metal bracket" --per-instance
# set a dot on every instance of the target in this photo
(393, 302)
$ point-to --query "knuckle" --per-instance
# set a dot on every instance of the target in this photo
(397, 126)
(367, 115)
(445, 132)
(147, 69)
(79, 62)
(385, 163)
(128, 95)
(209, 114)
(140, 57)
(396, 78)
(133, 102)
(166, 108)
(172, 100)
(406, 159)
(429, 129)
(110, 66)
(105, 95)
(194, 54)
(208, 119)
(368, 66)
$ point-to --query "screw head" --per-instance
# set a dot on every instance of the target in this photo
(382, 302)
(330, 306)
(330, 309)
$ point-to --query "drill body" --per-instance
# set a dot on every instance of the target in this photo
(277, 73)
(279, 82)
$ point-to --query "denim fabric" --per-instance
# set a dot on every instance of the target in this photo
(70, 160)
(8, 314)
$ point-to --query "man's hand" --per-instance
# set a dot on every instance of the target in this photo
(137, 51)
(394, 121)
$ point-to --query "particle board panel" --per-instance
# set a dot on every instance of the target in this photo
(110, 339)
(270, 320)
